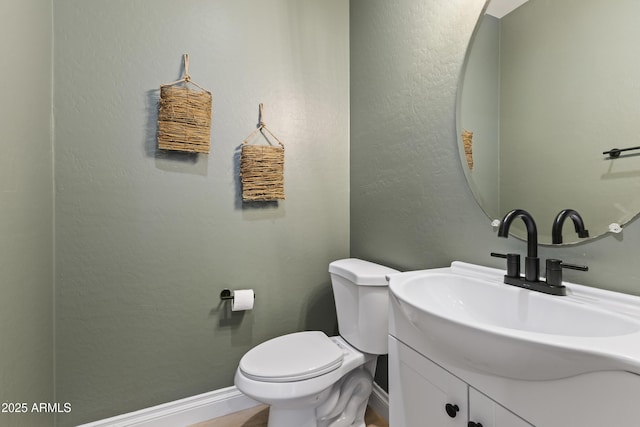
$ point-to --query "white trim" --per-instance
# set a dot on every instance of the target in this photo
(379, 401)
(183, 412)
(203, 407)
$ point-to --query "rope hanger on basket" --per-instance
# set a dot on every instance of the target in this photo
(186, 77)
(261, 128)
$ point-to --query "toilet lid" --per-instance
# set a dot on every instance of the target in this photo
(293, 357)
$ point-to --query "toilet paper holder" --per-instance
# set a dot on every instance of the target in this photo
(226, 295)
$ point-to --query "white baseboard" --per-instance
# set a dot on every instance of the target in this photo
(379, 401)
(183, 412)
(203, 407)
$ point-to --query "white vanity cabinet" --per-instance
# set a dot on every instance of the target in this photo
(507, 356)
(484, 411)
(422, 394)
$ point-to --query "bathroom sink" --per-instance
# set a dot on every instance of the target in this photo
(468, 316)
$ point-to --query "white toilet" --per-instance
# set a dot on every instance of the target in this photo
(312, 380)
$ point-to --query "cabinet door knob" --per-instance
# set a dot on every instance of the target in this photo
(452, 410)
(472, 424)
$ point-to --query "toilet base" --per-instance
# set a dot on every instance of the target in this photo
(343, 405)
(348, 401)
(282, 417)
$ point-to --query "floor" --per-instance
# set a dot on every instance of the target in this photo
(257, 417)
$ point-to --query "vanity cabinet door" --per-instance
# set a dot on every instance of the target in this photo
(421, 393)
(487, 413)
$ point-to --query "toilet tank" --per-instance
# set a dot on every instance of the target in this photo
(361, 294)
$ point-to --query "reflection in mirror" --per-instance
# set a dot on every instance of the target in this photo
(547, 88)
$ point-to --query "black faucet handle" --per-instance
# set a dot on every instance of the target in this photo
(554, 271)
(513, 263)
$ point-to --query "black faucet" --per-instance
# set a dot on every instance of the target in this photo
(531, 280)
(531, 262)
(556, 230)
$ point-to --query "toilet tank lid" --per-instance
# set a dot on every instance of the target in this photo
(360, 272)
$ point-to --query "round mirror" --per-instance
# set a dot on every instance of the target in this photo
(548, 86)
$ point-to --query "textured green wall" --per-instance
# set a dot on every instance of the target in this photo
(146, 240)
(410, 204)
(411, 207)
(26, 210)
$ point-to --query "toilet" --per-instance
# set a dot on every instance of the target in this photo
(312, 380)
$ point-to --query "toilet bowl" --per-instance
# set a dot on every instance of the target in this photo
(312, 380)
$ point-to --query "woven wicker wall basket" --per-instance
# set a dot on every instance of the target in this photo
(184, 120)
(184, 116)
(262, 166)
(262, 172)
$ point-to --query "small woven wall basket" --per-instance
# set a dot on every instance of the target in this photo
(262, 167)
(184, 117)
(184, 120)
(262, 172)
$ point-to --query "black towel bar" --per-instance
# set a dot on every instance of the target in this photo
(614, 153)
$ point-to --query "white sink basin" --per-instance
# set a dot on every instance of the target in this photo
(468, 316)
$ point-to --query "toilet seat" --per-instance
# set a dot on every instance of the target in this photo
(293, 357)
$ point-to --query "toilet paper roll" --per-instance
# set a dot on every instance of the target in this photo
(243, 299)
